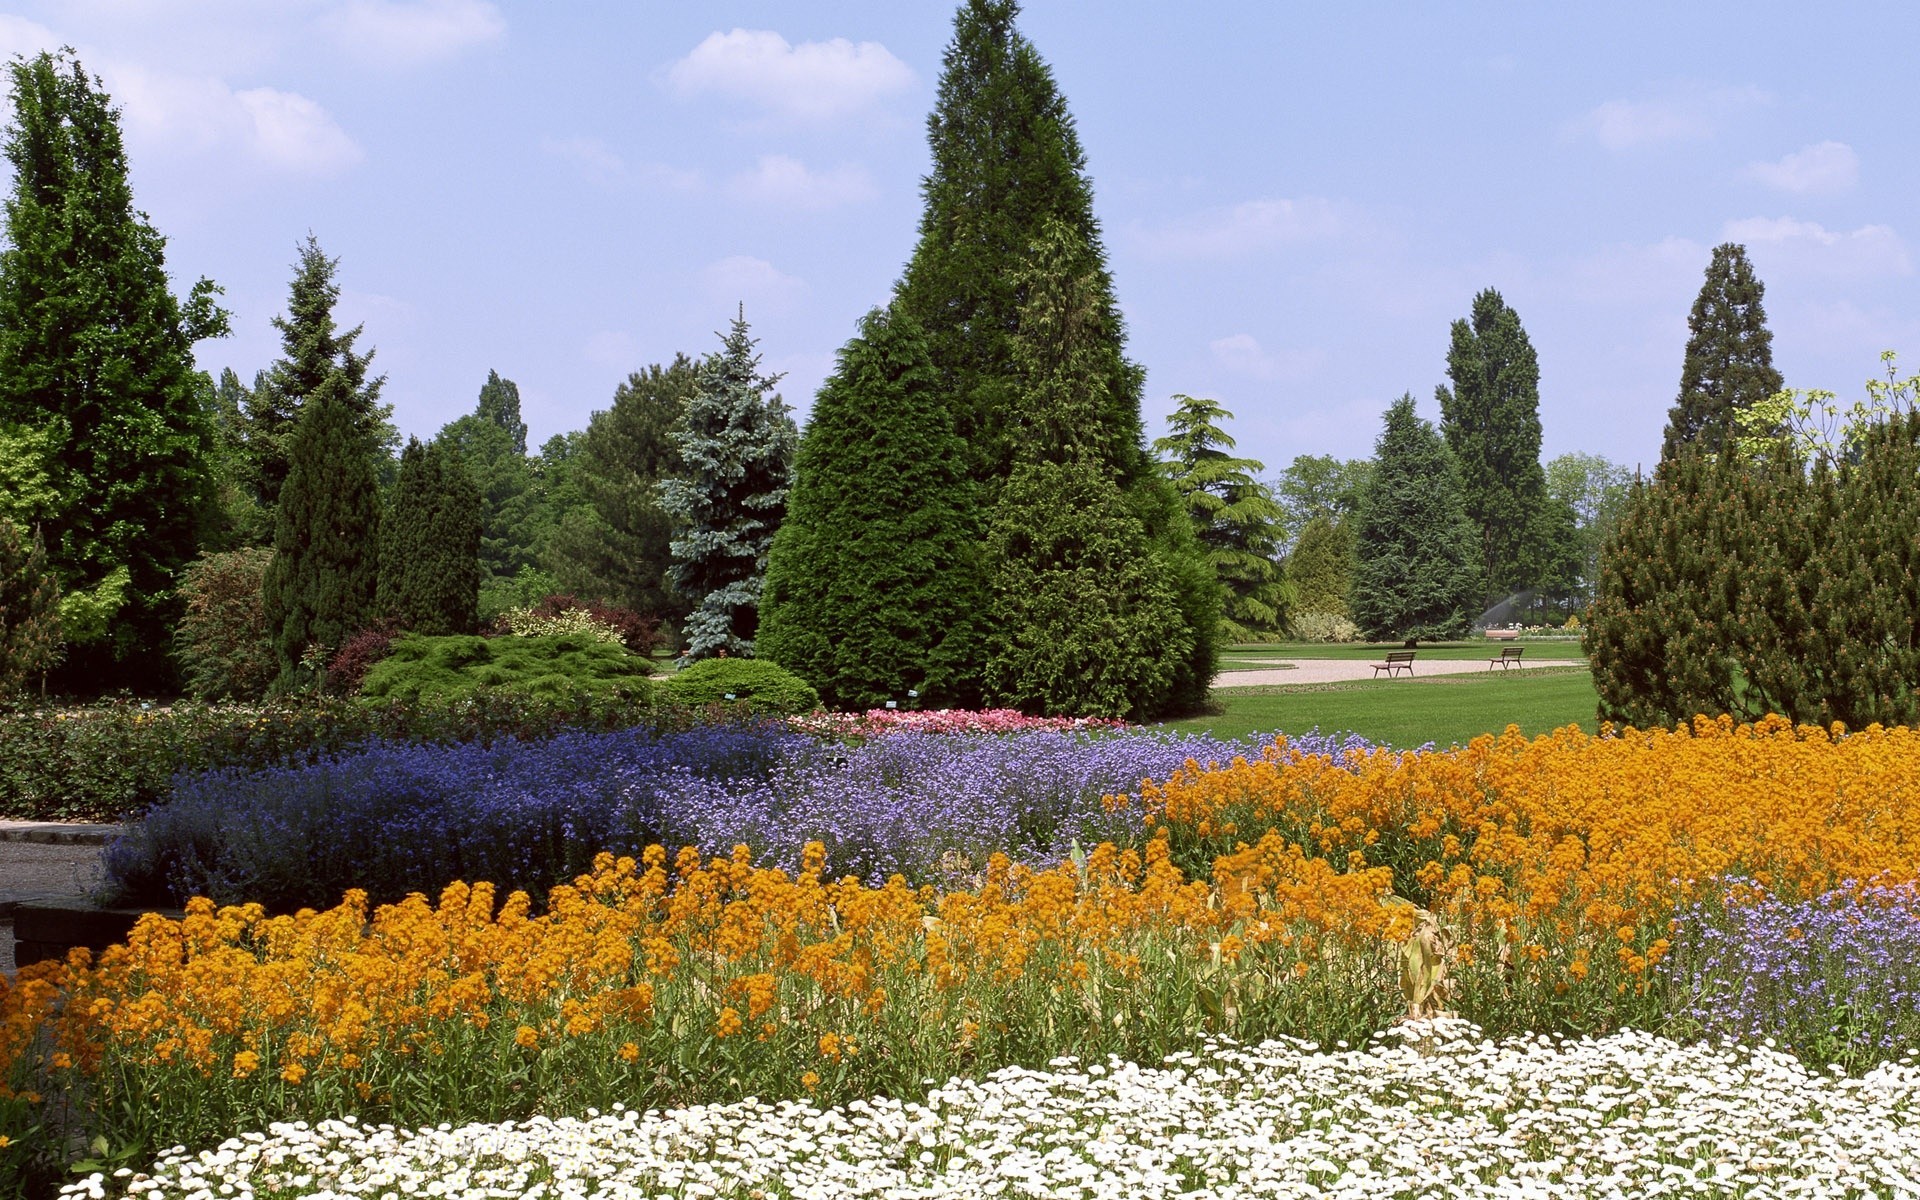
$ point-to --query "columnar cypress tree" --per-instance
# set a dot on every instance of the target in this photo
(29, 610)
(615, 545)
(1729, 361)
(1320, 569)
(320, 586)
(96, 365)
(499, 406)
(1087, 610)
(873, 581)
(1491, 418)
(429, 579)
(1006, 160)
(1235, 517)
(1416, 577)
(735, 445)
(313, 350)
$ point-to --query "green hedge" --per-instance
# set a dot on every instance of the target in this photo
(443, 669)
(760, 685)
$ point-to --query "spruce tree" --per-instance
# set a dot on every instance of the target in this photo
(1235, 517)
(1416, 576)
(313, 350)
(29, 610)
(614, 546)
(1092, 613)
(320, 586)
(96, 367)
(1006, 160)
(1729, 362)
(1491, 418)
(735, 444)
(429, 579)
(873, 582)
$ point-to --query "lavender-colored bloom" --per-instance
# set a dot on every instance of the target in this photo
(1836, 977)
(398, 818)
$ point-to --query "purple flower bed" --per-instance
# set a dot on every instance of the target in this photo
(393, 819)
(1836, 977)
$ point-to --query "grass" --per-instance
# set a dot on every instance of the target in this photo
(1261, 654)
(1442, 709)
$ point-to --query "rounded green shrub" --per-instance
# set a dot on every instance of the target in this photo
(755, 681)
(454, 668)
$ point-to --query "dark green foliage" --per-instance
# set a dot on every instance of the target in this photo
(1752, 587)
(1321, 567)
(728, 495)
(1491, 418)
(320, 586)
(29, 610)
(429, 579)
(1235, 518)
(313, 350)
(237, 519)
(873, 584)
(1416, 577)
(492, 441)
(615, 545)
(223, 643)
(96, 368)
(1559, 574)
(1006, 160)
(1729, 361)
(444, 669)
(760, 685)
(1318, 485)
(1103, 603)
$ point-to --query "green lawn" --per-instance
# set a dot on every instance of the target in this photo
(1259, 654)
(1443, 709)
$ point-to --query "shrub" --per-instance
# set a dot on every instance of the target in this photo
(223, 644)
(563, 613)
(1320, 626)
(761, 685)
(348, 667)
(442, 669)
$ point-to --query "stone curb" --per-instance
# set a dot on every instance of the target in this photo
(57, 833)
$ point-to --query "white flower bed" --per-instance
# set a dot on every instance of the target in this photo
(1434, 1110)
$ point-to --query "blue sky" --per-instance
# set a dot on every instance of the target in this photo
(1297, 199)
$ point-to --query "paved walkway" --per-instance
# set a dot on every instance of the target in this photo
(41, 860)
(1337, 670)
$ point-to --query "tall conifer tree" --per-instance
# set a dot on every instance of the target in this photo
(320, 585)
(1491, 419)
(873, 581)
(735, 444)
(1729, 361)
(492, 442)
(1235, 517)
(96, 366)
(430, 544)
(1416, 575)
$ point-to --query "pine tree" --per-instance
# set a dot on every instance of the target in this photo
(313, 349)
(1006, 160)
(615, 545)
(1094, 609)
(735, 445)
(96, 366)
(1235, 517)
(320, 586)
(29, 610)
(492, 442)
(873, 583)
(1491, 418)
(1729, 361)
(429, 578)
(1416, 576)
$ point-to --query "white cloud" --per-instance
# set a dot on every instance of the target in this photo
(407, 32)
(21, 36)
(741, 278)
(787, 182)
(1242, 354)
(281, 130)
(1822, 167)
(1804, 246)
(812, 81)
(1246, 228)
(1686, 114)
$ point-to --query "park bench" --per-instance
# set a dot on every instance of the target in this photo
(1509, 657)
(1397, 660)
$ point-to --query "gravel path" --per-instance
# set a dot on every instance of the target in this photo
(1338, 670)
